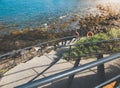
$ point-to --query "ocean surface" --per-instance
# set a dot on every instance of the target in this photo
(33, 13)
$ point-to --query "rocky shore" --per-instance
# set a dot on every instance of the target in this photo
(106, 17)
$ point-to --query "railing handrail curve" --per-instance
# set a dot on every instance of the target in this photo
(26, 48)
(29, 47)
(69, 72)
(108, 81)
(102, 41)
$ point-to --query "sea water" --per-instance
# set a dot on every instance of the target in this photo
(33, 13)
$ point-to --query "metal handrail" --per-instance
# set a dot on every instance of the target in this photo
(108, 81)
(26, 48)
(69, 37)
(89, 45)
(69, 72)
(51, 64)
(102, 41)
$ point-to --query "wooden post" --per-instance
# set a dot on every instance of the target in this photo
(101, 70)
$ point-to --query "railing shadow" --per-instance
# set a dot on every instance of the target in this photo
(58, 55)
(86, 80)
(32, 68)
(114, 69)
(11, 59)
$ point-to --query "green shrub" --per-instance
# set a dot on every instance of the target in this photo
(90, 46)
(114, 33)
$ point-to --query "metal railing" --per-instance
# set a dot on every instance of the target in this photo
(37, 45)
(99, 47)
(11, 59)
(70, 56)
(115, 79)
(70, 48)
(69, 72)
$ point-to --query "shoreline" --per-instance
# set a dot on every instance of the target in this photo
(7, 28)
(65, 26)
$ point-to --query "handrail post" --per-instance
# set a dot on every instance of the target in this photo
(65, 41)
(62, 43)
(101, 70)
(55, 47)
(14, 61)
(69, 57)
(70, 79)
(39, 52)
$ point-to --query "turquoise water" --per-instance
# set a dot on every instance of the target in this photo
(26, 13)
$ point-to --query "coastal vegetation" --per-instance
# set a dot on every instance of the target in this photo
(104, 24)
(106, 20)
(92, 46)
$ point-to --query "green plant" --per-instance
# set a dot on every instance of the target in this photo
(114, 33)
(90, 46)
